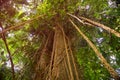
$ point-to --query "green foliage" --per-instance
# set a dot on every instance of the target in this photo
(44, 8)
(87, 59)
(5, 73)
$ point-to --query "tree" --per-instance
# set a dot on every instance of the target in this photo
(57, 40)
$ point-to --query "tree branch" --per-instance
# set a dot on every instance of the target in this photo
(9, 53)
(102, 59)
(20, 24)
(83, 20)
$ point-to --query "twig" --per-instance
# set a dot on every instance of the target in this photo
(81, 21)
(8, 50)
(102, 59)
